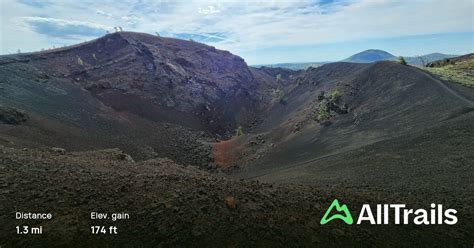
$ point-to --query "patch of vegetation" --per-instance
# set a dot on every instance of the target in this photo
(279, 78)
(402, 60)
(239, 131)
(335, 94)
(323, 113)
(79, 61)
(461, 72)
(446, 61)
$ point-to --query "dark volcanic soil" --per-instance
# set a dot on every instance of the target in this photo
(388, 105)
(173, 205)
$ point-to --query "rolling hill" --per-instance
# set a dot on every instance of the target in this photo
(428, 58)
(455, 69)
(377, 104)
(369, 56)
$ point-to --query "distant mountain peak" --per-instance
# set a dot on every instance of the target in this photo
(375, 50)
(369, 56)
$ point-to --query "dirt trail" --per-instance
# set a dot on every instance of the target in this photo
(447, 88)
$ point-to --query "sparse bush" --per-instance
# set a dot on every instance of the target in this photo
(79, 61)
(239, 131)
(323, 113)
(447, 61)
(402, 61)
(335, 94)
(278, 78)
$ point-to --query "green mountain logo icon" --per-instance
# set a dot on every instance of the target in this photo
(346, 216)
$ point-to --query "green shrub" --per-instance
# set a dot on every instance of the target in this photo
(323, 113)
(239, 131)
(335, 94)
(79, 61)
(402, 61)
(278, 78)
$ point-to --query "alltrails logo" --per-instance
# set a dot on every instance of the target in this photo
(401, 215)
(346, 217)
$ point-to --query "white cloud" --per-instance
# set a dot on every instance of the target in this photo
(131, 20)
(61, 28)
(102, 13)
(209, 10)
(252, 25)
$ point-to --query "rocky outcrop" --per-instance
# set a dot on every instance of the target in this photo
(159, 78)
(12, 116)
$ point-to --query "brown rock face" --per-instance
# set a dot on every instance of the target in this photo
(159, 78)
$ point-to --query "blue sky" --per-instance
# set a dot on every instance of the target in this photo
(262, 32)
